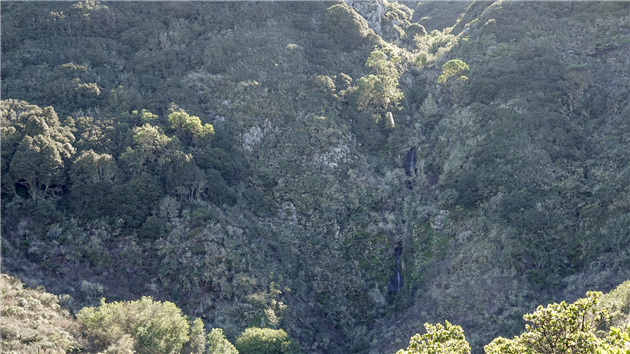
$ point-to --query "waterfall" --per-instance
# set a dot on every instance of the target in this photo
(396, 281)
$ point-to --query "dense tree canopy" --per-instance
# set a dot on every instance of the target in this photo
(246, 161)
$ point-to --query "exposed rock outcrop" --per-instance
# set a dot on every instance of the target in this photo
(372, 12)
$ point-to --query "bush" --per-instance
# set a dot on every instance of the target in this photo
(266, 341)
(33, 321)
(153, 228)
(453, 76)
(218, 344)
(347, 27)
(325, 83)
(92, 176)
(371, 134)
(416, 29)
(134, 201)
(218, 159)
(154, 327)
(438, 339)
(190, 129)
(558, 328)
(219, 192)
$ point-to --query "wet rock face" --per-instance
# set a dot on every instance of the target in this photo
(410, 162)
(372, 12)
(396, 281)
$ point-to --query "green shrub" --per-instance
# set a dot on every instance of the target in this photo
(153, 228)
(257, 202)
(91, 179)
(134, 201)
(33, 320)
(190, 129)
(438, 339)
(266, 341)
(218, 159)
(617, 303)
(325, 83)
(37, 148)
(197, 343)
(613, 8)
(346, 26)
(154, 326)
(453, 77)
(437, 40)
(343, 81)
(219, 192)
(557, 328)
(415, 33)
(218, 344)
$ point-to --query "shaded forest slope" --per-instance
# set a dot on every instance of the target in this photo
(247, 161)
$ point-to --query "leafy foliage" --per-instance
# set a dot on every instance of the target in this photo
(33, 320)
(38, 160)
(379, 92)
(452, 76)
(438, 339)
(558, 328)
(377, 95)
(218, 344)
(189, 129)
(521, 191)
(578, 77)
(348, 29)
(154, 327)
(266, 341)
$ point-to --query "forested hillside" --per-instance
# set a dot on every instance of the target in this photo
(344, 172)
